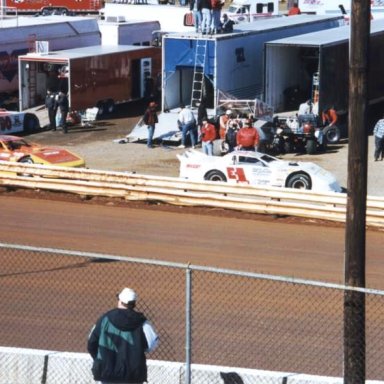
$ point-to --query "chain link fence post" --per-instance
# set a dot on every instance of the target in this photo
(188, 309)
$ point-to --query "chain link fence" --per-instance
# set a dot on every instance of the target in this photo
(232, 327)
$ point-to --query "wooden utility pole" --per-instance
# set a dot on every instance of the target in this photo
(354, 302)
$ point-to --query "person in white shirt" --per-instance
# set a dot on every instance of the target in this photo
(187, 122)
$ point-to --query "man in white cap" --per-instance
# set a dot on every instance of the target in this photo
(118, 342)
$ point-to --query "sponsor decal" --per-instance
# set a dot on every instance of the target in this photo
(9, 64)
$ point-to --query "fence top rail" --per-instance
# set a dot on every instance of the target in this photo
(187, 266)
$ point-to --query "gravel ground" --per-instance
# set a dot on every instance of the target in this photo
(96, 145)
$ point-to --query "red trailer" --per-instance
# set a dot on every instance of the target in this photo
(97, 76)
(62, 7)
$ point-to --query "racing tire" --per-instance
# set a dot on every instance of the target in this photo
(299, 181)
(311, 147)
(288, 147)
(215, 175)
(102, 108)
(332, 134)
(26, 160)
(110, 106)
(31, 123)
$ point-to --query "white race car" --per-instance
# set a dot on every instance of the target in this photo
(255, 168)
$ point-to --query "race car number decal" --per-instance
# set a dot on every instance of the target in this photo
(237, 174)
(5, 123)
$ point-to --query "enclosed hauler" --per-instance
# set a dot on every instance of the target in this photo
(197, 67)
(118, 31)
(231, 63)
(316, 66)
(21, 35)
(57, 7)
(171, 18)
(328, 7)
(98, 76)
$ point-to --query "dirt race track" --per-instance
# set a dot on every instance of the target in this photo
(68, 294)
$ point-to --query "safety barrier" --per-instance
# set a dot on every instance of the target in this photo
(64, 367)
(130, 186)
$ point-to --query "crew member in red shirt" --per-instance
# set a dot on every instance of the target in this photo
(329, 117)
(247, 137)
(295, 10)
(208, 135)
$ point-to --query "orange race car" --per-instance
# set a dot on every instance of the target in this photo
(13, 148)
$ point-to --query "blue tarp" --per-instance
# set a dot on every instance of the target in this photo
(181, 53)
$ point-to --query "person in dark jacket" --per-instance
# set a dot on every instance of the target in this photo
(118, 342)
(202, 114)
(150, 119)
(63, 105)
(51, 105)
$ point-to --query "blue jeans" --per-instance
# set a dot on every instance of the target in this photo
(151, 131)
(206, 20)
(197, 18)
(215, 20)
(191, 128)
(207, 147)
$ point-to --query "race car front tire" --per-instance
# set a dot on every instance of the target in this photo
(215, 175)
(299, 181)
(27, 160)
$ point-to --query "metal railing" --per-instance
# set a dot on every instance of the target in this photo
(130, 186)
(215, 317)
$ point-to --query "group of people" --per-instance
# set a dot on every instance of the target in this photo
(207, 17)
(55, 102)
(328, 116)
(237, 133)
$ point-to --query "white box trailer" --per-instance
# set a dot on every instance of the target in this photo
(118, 31)
(233, 63)
(316, 66)
(327, 7)
(171, 18)
(19, 35)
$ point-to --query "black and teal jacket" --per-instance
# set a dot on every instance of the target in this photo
(117, 345)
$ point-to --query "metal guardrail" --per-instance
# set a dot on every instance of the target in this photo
(130, 186)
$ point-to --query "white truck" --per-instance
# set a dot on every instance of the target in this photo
(251, 10)
(323, 7)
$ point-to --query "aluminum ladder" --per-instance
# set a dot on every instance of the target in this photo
(198, 72)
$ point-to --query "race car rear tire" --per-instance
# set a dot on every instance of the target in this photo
(332, 134)
(311, 147)
(31, 123)
(215, 175)
(299, 181)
